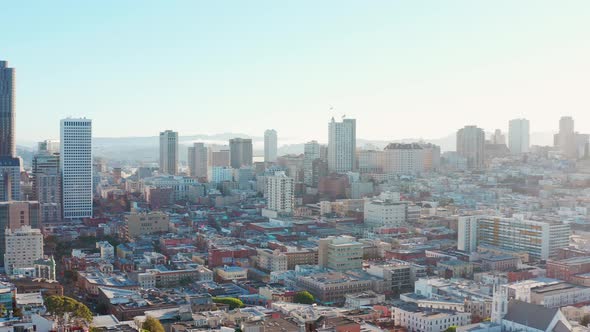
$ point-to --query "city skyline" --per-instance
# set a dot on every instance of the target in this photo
(441, 65)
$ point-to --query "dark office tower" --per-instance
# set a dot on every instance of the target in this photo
(240, 152)
(7, 143)
(9, 164)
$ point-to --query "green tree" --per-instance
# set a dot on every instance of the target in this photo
(152, 325)
(304, 297)
(17, 312)
(232, 302)
(585, 320)
(451, 329)
(68, 311)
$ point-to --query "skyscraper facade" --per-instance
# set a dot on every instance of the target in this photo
(47, 185)
(518, 136)
(470, 145)
(197, 160)
(76, 168)
(169, 152)
(9, 163)
(240, 152)
(7, 113)
(565, 140)
(311, 152)
(342, 145)
(270, 146)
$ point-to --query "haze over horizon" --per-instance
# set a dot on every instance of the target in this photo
(203, 68)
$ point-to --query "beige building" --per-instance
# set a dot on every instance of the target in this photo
(340, 253)
(23, 247)
(271, 261)
(146, 223)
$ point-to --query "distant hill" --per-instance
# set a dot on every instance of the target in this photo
(145, 149)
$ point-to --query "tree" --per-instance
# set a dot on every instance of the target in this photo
(68, 311)
(17, 312)
(152, 325)
(585, 320)
(452, 328)
(232, 302)
(304, 297)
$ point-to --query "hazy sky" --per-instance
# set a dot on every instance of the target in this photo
(401, 68)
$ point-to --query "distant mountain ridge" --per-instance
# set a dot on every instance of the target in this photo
(145, 148)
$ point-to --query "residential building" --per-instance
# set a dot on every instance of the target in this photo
(76, 168)
(144, 223)
(217, 156)
(400, 158)
(197, 160)
(431, 156)
(385, 210)
(218, 174)
(518, 136)
(418, 319)
(10, 168)
(240, 152)
(271, 260)
(47, 185)
(24, 246)
(311, 152)
(540, 239)
(280, 192)
(169, 152)
(340, 253)
(333, 286)
(370, 161)
(14, 215)
(398, 275)
(470, 145)
(342, 145)
(270, 146)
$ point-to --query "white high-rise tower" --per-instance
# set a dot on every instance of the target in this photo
(280, 191)
(342, 145)
(270, 145)
(76, 167)
(518, 136)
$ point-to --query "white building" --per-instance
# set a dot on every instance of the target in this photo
(417, 319)
(540, 239)
(342, 145)
(386, 210)
(23, 247)
(518, 136)
(76, 168)
(280, 193)
(399, 158)
(218, 174)
(197, 160)
(270, 145)
(107, 251)
(169, 152)
(271, 260)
